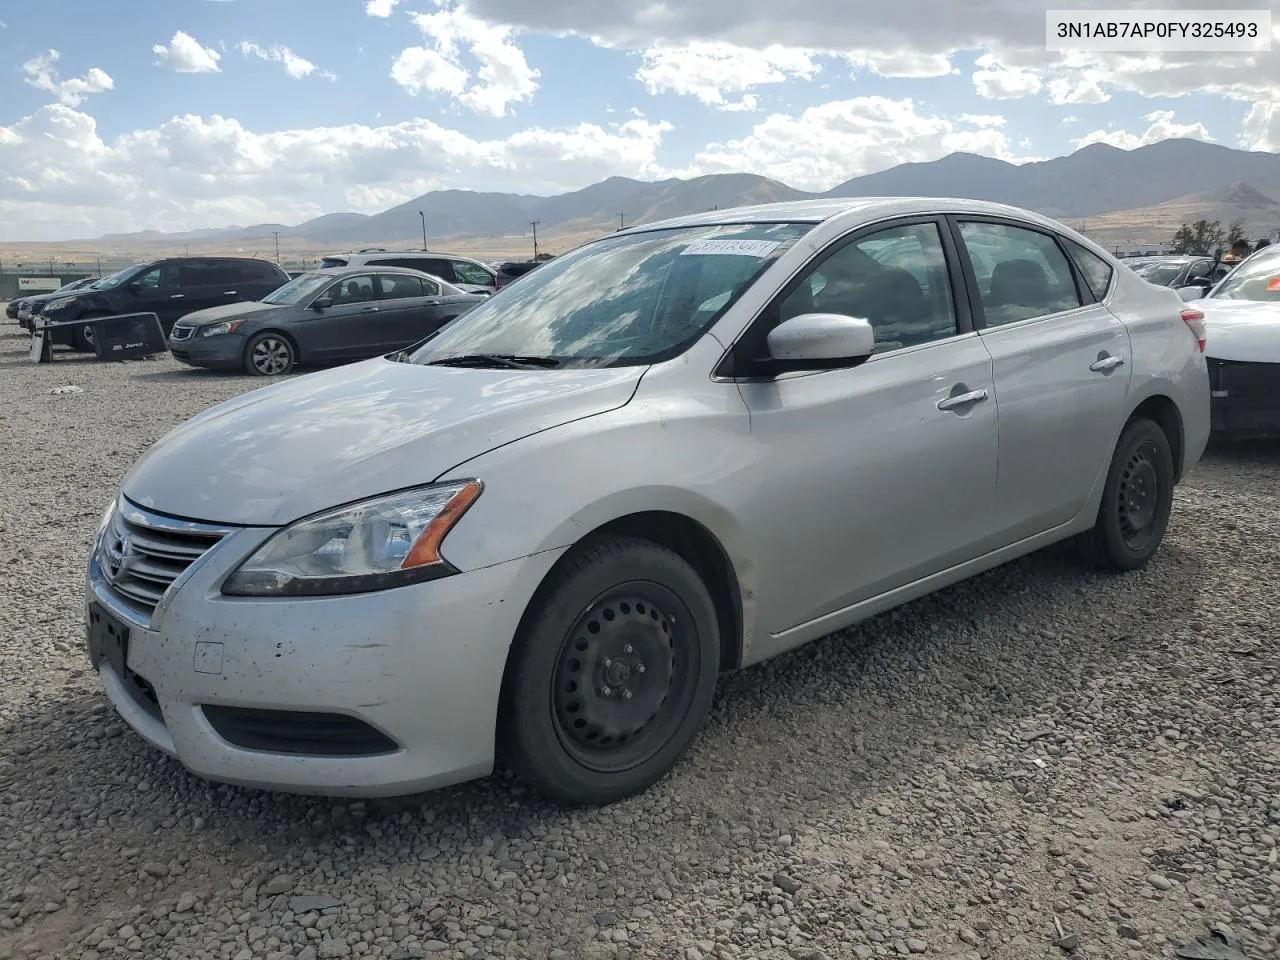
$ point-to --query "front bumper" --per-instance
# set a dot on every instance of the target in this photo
(421, 665)
(213, 353)
(1244, 399)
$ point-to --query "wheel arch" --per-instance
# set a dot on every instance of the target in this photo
(1164, 412)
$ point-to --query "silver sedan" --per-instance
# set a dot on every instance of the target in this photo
(539, 536)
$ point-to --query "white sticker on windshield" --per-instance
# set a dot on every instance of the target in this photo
(736, 248)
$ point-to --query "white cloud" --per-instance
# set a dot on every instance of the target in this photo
(1084, 87)
(503, 78)
(185, 54)
(709, 71)
(40, 73)
(1162, 127)
(380, 8)
(62, 177)
(294, 65)
(832, 142)
(983, 120)
(995, 81)
(903, 63)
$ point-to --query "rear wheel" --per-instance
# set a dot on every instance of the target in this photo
(269, 355)
(612, 675)
(1136, 501)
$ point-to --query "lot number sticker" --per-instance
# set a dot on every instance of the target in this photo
(733, 248)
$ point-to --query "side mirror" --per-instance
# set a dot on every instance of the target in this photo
(1192, 292)
(134, 286)
(821, 341)
(324, 303)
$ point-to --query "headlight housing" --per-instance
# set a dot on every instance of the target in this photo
(106, 515)
(219, 329)
(59, 303)
(384, 542)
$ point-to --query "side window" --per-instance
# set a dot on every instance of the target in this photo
(352, 290)
(1029, 274)
(437, 268)
(1200, 270)
(895, 278)
(202, 273)
(1097, 272)
(398, 286)
(472, 273)
(163, 277)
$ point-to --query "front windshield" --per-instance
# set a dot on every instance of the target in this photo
(297, 290)
(116, 279)
(1155, 271)
(626, 300)
(1258, 278)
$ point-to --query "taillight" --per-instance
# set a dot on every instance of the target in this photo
(1194, 320)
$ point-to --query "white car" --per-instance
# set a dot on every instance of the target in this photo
(540, 535)
(1242, 330)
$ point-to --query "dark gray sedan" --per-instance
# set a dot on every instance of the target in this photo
(320, 317)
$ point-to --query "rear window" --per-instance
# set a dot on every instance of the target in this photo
(1097, 272)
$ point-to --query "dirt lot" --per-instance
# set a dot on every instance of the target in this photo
(1045, 762)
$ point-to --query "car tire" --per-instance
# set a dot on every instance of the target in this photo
(82, 336)
(1136, 501)
(612, 673)
(269, 355)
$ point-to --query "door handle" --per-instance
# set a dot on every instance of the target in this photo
(177, 296)
(962, 400)
(368, 309)
(228, 293)
(1106, 364)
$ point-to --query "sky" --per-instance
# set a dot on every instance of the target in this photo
(122, 115)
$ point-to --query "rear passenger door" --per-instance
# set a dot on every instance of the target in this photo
(206, 283)
(1061, 368)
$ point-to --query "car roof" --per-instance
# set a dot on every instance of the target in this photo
(861, 208)
(351, 270)
(425, 254)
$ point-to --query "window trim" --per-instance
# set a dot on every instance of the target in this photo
(1111, 281)
(1083, 292)
(724, 367)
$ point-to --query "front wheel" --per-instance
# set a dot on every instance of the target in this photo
(82, 336)
(1136, 501)
(269, 355)
(612, 675)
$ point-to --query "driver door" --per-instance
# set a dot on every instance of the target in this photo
(871, 477)
(349, 326)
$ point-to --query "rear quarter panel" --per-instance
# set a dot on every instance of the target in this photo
(1166, 360)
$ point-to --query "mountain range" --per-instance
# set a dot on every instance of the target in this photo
(1095, 181)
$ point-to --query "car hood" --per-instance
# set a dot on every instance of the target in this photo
(1245, 330)
(285, 451)
(229, 311)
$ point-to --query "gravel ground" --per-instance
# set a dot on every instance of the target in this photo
(1044, 762)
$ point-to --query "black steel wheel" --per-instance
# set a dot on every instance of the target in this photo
(82, 337)
(269, 355)
(1136, 502)
(612, 675)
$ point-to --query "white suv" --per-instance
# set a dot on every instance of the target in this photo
(463, 272)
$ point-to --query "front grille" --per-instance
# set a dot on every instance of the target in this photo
(180, 333)
(142, 553)
(1246, 380)
(298, 732)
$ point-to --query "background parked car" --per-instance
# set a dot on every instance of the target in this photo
(1178, 271)
(325, 316)
(512, 270)
(1242, 330)
(169, 288)
(466, 274)
(24, 308)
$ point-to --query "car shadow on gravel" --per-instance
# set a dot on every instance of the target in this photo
(888, 699)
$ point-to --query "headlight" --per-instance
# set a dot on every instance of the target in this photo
(106, 515)
(385, 542)
(59, 303)
(218, 329)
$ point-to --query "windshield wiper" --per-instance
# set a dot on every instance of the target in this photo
(497, 360)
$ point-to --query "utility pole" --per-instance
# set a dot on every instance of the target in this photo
(276, 234)
(424, 230)
(622, 221)
(534, 224)
(186, 249)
